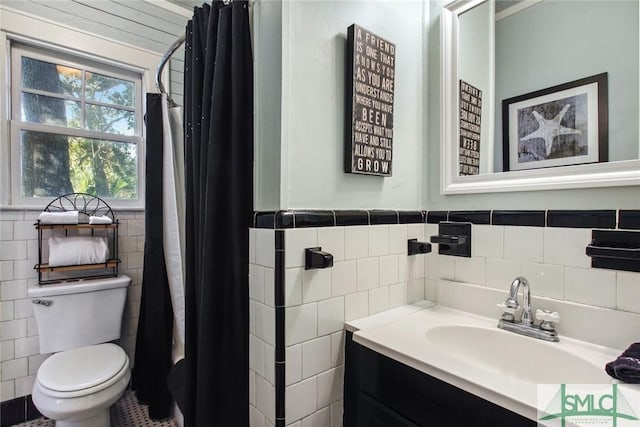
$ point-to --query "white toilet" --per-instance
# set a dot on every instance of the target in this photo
(77, 385)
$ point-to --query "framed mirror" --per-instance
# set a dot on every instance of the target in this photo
(526, 61)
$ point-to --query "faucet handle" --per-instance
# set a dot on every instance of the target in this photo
(548, 318)
(507, 312)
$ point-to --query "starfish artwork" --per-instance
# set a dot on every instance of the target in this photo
(548, 130)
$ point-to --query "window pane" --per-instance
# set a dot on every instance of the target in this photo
(51, 111)
(50, 77)
(110, 120)
(57, 164)
(110, 90)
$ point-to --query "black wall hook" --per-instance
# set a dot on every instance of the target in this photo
(414, 247)
(317, 258)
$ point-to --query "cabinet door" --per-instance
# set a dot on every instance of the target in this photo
(372, 413)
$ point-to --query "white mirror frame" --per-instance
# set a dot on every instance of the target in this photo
(613, 174)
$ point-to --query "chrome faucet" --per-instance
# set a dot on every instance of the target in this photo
(526, 326)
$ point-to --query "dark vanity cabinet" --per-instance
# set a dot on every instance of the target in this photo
(381, 392)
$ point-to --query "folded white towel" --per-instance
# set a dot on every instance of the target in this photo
(69, 217)
(100, 220)
(77, 250)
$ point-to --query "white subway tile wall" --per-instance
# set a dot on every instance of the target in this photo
(20, 355)
(372, 272)
(262, 326)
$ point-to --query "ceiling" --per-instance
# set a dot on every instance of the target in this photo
(149, 24)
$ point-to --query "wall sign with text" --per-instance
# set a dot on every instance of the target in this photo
(470, 114)
(370, 85)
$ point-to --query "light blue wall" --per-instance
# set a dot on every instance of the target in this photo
(300, 141)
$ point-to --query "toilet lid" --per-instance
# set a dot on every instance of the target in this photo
(82, 367)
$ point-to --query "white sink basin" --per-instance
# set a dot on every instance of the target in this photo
(506, 353)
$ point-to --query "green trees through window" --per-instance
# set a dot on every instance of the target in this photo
(83, 138)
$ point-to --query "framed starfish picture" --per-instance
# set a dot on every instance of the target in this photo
(558, 126)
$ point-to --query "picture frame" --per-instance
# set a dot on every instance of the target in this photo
(562, 125)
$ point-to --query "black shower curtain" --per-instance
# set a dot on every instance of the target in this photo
(155, 321)
(219, 180)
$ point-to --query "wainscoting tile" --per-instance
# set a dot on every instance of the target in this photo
(330, 386)
(266, 323)
(388, 270)
(367, 273)
(265, 247)
(487, 241)
(523, 243)
(337, 412)
(356, 242)
(415, 290)
(337, 348)
(296, 240)
(469, 270)
(256, 355)
(301, 323)
(301, 399)
(265, 398)
(316, 285)
(256, 282)
(331, 239)
(590, 286)
(293, 287)
(356, 306)
(256, 419)
(316, 356)
(378, 240)
(547, 280)
(12, 369)
(501, 272)
(321, 417)
(293, 370)
(398, 239)
(566, 246)
(343, 278)
(330, 315)
(440, 266)
(397, 295)
(269, 364)
(378, 299)
(628, 291)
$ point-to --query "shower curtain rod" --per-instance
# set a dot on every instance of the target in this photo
(163, 61)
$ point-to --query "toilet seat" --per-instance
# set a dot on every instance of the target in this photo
(82, 371)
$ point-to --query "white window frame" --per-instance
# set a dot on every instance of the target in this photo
(39, 32)
(19, 50)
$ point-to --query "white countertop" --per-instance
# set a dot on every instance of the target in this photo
(401, 334)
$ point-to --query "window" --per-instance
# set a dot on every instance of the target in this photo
(76, 126)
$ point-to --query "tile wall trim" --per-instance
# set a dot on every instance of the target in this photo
(279, 302)
(18, 410)
(304, 218)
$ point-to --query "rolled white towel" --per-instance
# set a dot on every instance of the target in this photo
(100, 220)
(77, 250)
(68, 217)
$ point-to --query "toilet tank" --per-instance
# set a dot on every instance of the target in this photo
(75, 314)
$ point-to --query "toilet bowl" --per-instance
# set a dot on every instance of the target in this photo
(86, 373)
(77, 387)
